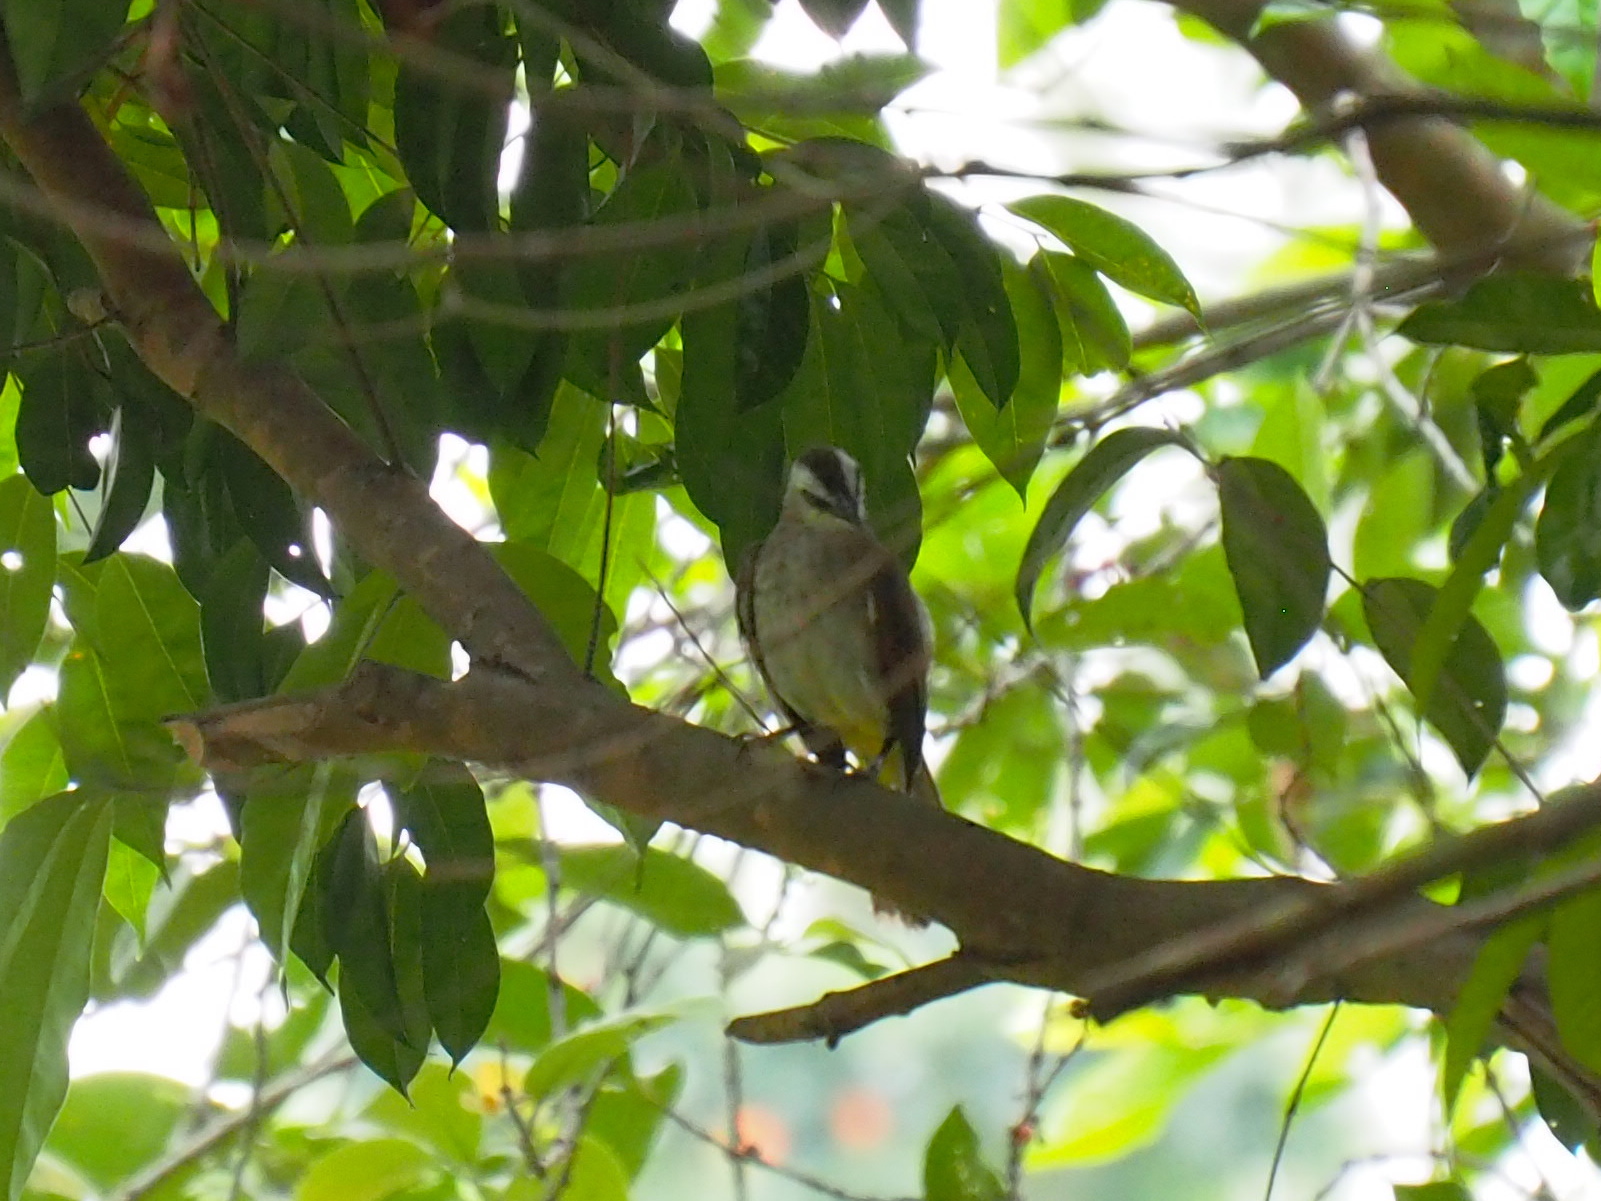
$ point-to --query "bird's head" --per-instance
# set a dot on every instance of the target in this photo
(826, 481)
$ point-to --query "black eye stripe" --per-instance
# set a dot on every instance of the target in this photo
(825, 465)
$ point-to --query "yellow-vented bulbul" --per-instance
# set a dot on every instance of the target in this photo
(837, 633)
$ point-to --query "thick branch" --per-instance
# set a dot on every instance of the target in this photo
(1019, 913)
(1449, 183)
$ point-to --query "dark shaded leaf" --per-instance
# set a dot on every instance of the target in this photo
(834, 17)
(130, 473)
(987, 339)
(27, 574)
(1013, 438)
(460, 964)
(449, 131)
(1108, 461)
(1520, 313)
(1567, 534)
(56, 46)
(357, 921)
(1581, 403)
(1468, 701)
(1278, 553)
(58, 416)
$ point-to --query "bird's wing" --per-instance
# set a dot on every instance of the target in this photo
(903, 661)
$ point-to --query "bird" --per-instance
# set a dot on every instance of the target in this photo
(835, 629)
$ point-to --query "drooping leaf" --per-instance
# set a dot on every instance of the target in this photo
(460, 964)
(1468, 701)
(1278, 553)
(987, 337)
(52, 864)
(1013, 438)
(449, 130)
(58, 415)
(1108, 461)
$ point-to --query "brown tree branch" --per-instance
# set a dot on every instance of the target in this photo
(1449, 183)
(1020, 914)
(834, 1015)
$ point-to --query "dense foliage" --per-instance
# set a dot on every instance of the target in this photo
(1304, 594)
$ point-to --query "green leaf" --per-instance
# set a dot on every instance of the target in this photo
(577, 1057)
(31, 764)
(521, 1020)
(1520, 313)
(285, 823)
(232, 624)
(911, 269)
(130, 472)
(1574, 971)
(1478, 1001)
(1114, 246)
(147, 632)
(987, 338)
(370, 1170)
(731, 461)
(1395, 518)
(449, 132)
(1278, 553)
(130, 881)
(1108, 461)
(1094, 334)
(598, 288)
(138, 756)
(774, 321)
(55, 46)
(460, 965)
(680, 897)
(954, 1167)
(57, 417)
(444, 812)
(358, 922)
(861, 389)
(1468, 701)
(1013, 438)
(143, 1110)
(1567, 534)
(27, 574)
(1437, 1190)
(52, 864)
